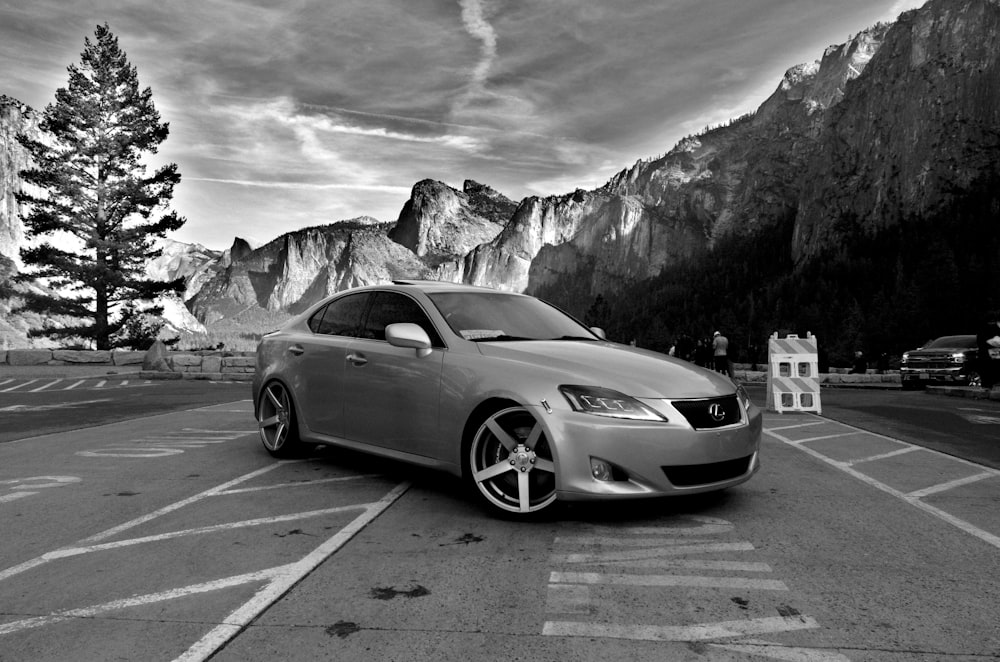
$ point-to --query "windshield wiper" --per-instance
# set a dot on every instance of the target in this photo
(503, 338)
(590, 338)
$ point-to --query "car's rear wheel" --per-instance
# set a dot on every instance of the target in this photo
(276, 421)
(510, 462)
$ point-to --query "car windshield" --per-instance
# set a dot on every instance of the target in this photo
(952, 342)
(485, 316)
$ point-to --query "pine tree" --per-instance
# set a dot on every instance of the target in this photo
(93, 187)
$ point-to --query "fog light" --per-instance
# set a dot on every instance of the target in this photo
(600, 469)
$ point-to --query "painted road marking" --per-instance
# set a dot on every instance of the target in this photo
(17, 386)
(883, 456)
(276, 581)
(21, 485)
(570, 592)
(912, 498)
(593, 578)
(45, 386)
(698, 632)
(171, 443)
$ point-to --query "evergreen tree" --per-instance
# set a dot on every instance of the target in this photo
(94, 189)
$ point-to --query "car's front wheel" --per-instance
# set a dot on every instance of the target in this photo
(974, 379)
(276, 421)
(510, 462)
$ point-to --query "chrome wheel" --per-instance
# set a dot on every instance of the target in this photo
(975, 379)
(510, 462)
(276, 421)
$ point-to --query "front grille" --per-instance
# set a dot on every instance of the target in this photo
(699, 412)
(704, 474)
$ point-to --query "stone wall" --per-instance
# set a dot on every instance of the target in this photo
(217, 366)
(214, 365)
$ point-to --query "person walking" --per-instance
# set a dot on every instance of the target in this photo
(720, 353)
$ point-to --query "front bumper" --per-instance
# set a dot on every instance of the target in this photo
(658, 459)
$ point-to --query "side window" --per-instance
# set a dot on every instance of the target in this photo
(341, 317)
(392, 308)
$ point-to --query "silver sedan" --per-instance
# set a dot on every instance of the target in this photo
(527, 404)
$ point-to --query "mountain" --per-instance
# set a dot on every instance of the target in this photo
(15, 118)
(861, 200)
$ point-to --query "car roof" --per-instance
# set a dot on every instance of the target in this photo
(443, 286)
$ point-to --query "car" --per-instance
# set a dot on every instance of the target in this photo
(530, 406)
(948, 359)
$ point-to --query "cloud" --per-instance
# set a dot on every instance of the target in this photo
(474, 20)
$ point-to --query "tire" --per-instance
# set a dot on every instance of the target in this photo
(975, 379)
(276, 421)
(510, 462)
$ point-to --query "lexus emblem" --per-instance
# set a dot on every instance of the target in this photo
(716, 411)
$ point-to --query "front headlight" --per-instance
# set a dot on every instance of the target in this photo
(606, 402)
(743, 396)
(958, 357)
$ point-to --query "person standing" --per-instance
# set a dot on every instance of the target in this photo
(720, 353)
(988, 340)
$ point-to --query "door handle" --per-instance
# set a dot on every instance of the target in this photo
(357, 359)
(297, 350)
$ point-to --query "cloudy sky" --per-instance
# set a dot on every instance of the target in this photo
(305, 112)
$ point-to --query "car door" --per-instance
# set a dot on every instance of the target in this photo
(322, 362)
(391, 394)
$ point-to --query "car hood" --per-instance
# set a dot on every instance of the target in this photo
(636, 372)
(938, 351)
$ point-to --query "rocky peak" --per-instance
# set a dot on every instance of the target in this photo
(15, 118)
(441, 224)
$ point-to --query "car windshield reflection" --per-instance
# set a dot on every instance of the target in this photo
(505, 317)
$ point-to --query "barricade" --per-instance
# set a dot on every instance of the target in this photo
(793, 374)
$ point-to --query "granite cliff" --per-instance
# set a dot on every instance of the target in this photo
(894, 125)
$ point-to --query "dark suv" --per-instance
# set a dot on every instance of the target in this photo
(948, 359)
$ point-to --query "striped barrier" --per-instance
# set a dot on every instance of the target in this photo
(793, 374)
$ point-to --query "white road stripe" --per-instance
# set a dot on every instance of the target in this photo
(6, 381)
(180, 504)
(699, 632)
(638, 554)
(45, 386)
(826, 436)
(100, 383)
(139, 600)
(17, 386)
(944, 487)
(961, 524)
(77, 551)
(799, 425)
(873, 458)
(304, 483)
(623, 542)
(73, 385)
(289, 576)
(689, 564)
(14, 496)
(782, 652)
(594, 578)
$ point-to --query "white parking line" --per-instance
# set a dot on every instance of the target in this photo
(873, 458)
(17, 386)
(287, 578)
(699, 632)
(45, 386)
(944, 487)
(915, 501)
(699, 581)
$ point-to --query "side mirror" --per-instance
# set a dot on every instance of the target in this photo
(599, 332)
(407, 334)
